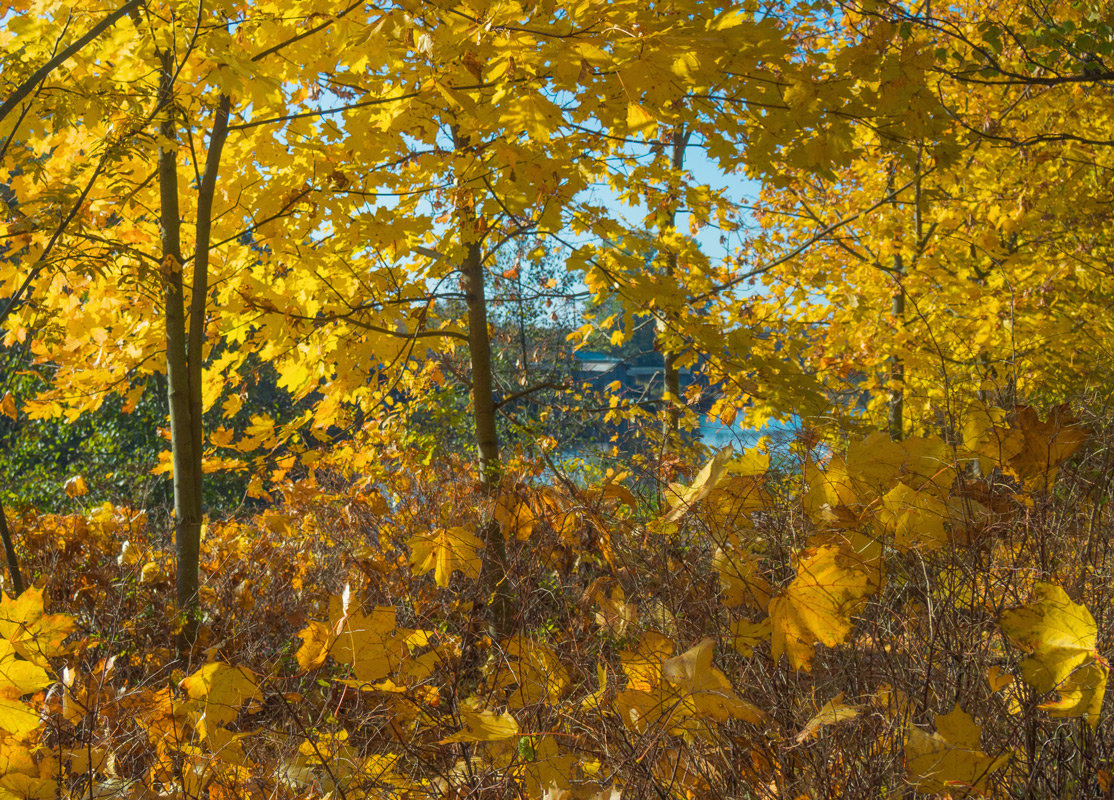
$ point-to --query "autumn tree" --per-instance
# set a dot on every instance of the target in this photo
(930, 277)
(126, 258)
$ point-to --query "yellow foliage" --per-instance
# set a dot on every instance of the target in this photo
(445, 550)
(831, 713)
(219, 691)
(816, 607)
(1060, 637)
(483, 726)
(950, 760)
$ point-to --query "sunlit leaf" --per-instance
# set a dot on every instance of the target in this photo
(445, 550)
(484, 726)
(833, 712)
(818, 604)
(220, 690)
(18, 718)
(1060, 636)
(949, 760)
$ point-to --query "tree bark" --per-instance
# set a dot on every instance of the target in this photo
(483, 381)
(200, 293)
(9, 551)
(897, 364)
(494, 570)
(671, 387)
(187, 481)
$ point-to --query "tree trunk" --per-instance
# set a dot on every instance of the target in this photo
(9, 551)
(187, 478)
(671, 388)
(494, 571)
(185, 346)
(897, 364)
(483, 381)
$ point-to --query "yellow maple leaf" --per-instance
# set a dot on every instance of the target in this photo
(745, 635)
(483, 726)
(17, 676)
(682, 498)
(832, 712)
(707, 689)
(817, 605)
(515, 517)
(916, 519)
(20, 775)
(316, 640)
(615, 614)
(739, 578)
(18, 718)
(369, 642)
(639, 709)
(444, 550)
(1060, 636)
(642, 665)
(639, 119)
(949, 760)
(988, 439)
(742, 492)
(219, 690)
(75, 486)
(533, 670)
(34, 634)
(830, 488)
(1045, 446)
(83, 760)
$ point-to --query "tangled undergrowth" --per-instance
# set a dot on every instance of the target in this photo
(913, 618)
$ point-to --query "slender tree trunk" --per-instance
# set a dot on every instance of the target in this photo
(671, 388)
(187, 478)
(483, 382)
(494, 571)
(187, 437)
(200, 296)
(185, 345)
(9, 551)
(897, 364)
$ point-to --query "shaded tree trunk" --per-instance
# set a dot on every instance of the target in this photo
(185, 346)
(897, 364)
(671, 388)
(187, 478)
(9, 552)
(494, 571)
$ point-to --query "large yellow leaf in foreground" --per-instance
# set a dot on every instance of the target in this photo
(818, 604)
(1060, 637)
(950, 759)
(219, 690)
(706, 688)
(19, 677)
(35, 634)
(483, 726)
(443, 550)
